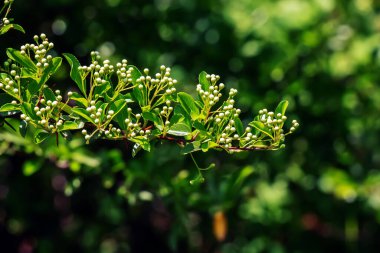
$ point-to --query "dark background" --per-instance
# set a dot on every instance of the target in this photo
(319, 194)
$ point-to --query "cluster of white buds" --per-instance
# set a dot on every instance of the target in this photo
(228, 134)
(159, 82)
(271, 120)
(113, 131)
(167, 109)
(9, 86)
(40, 50)
(213, 94)
(123, 72)
(133, 128)
(295, 125)
(96, 113)
(100, 71)
(6, 21)
(248, 136)
(46, 110)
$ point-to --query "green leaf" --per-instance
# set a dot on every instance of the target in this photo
(79, 98)
(69, 125)
(136, 148)
(82, 113)
(23, 127)
(49, 94)
(117, 107)
(40, 136)
(18, 28)
(180, 129)
(27, 109)
(33, 86)
(9, 107)
(205, 84)
(100, 89)
(261, 127)
(6, 28)
(135, 73)
(191, 147)
(24, 61)
(151, 116)
(281, 107)
(143, 142)
(188, 104)
(199, 125)
(74, 72)
(50, 70)
(208, 145)
(239, 126)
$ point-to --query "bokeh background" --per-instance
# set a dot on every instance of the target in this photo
(319, 194)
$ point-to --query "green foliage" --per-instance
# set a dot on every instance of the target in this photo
(320, 194)
(119, 102)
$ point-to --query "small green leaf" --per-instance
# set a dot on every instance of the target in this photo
(50, 70)
(143, 142)
(6, 28)
(208, 145)
(151, 116)
(199, 125)
(102, 88)
(69, 125)
(136, 148)
(49, 94)
(74, 72)
(9, 107)
(32, 85)
(18, 28)
(27, 109)
(281, 108)
(188, 104)
(205, 84)
(190, 147)
(79, 98)
(40, 136)
(82, 113)
(24, 61)
(23, 127)
(117, 107)
(180, 129)
(239, 126)
(261, 127)
(135, 73)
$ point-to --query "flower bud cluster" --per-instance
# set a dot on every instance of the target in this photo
(124, 72)
(167, 109)
(294, 126)
(6, 21)
(46, 111)
(160, 82)
(133, 126)
(9, 86)
(223, 123)
(248, 137)
(98, 113)
(40, 50)
(100, 72)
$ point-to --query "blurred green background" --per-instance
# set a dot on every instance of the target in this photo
(319, 194)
